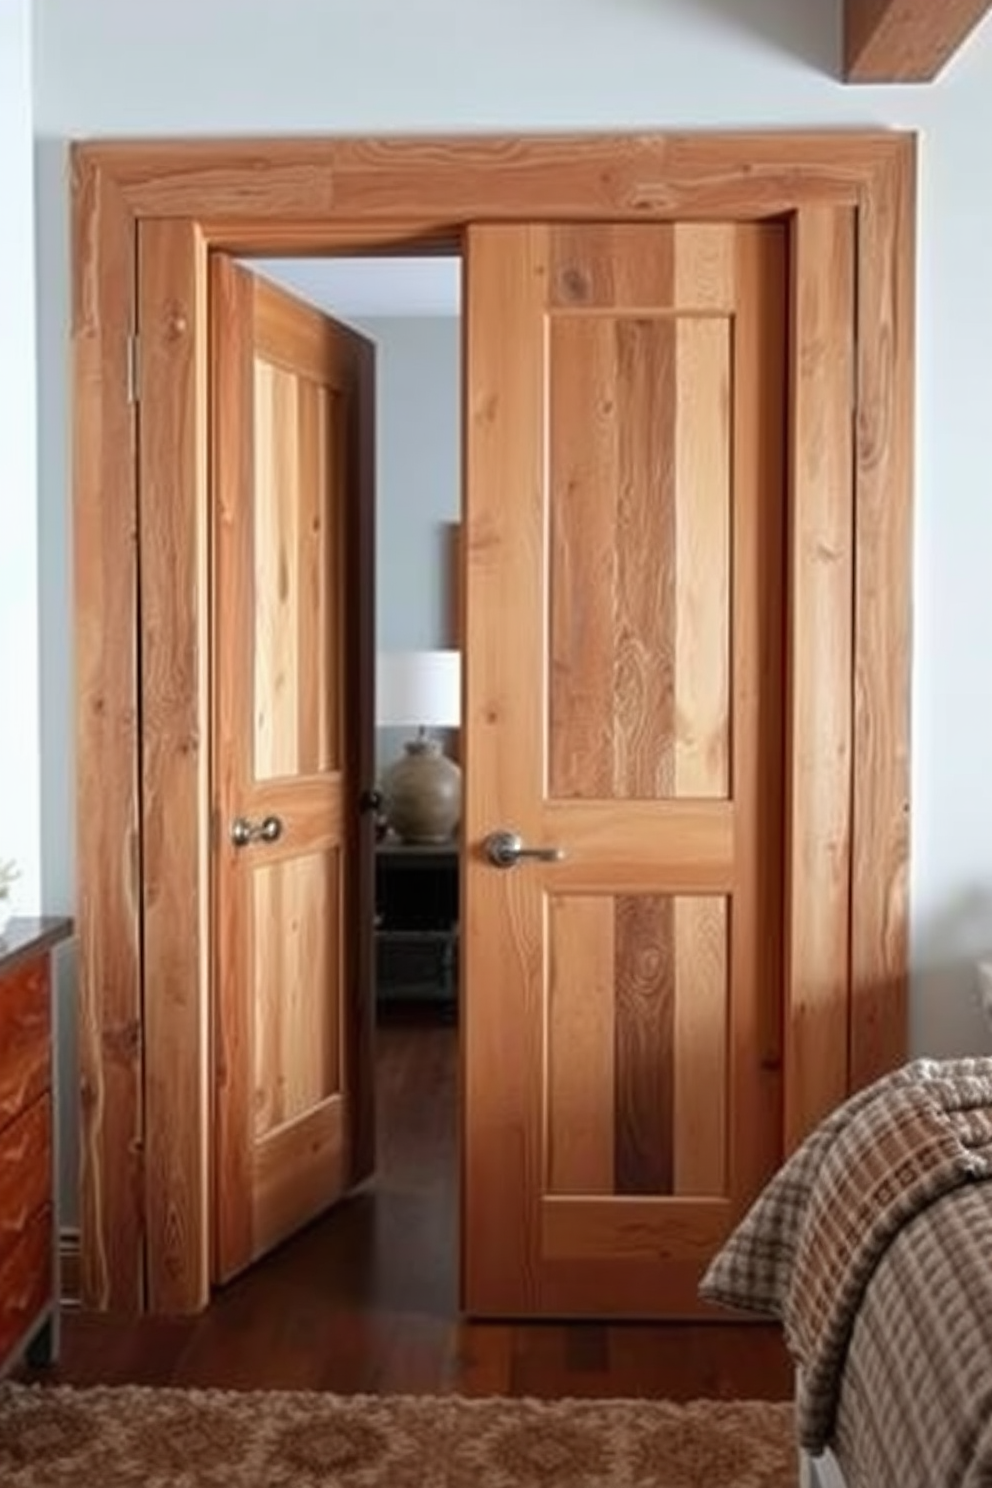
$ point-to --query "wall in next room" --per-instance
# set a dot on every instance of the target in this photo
(418, 486)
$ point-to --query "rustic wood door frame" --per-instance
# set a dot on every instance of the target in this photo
(142, 570)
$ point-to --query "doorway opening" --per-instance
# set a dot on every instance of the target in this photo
(399, 1230)
(520, 207)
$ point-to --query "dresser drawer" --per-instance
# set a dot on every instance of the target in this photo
(25, 1038)
(25, 1171)
(25, 1281)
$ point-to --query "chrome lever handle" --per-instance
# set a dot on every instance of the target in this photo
(505, 849)
(243, 831)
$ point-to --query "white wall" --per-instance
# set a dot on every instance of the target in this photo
(19, 723)
(113, 67)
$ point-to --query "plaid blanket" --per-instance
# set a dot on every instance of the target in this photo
(888, 1171)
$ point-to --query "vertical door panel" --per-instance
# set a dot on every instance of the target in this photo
(291, 585)
(625, 614)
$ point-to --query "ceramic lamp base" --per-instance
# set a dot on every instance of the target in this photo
(422, 794)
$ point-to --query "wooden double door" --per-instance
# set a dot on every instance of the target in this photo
(622, 1009)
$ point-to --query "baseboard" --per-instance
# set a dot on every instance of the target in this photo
(69, 1287)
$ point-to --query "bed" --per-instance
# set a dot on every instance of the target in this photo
(873, 1247)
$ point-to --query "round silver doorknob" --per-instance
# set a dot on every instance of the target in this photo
(244, 831)
(506, 848)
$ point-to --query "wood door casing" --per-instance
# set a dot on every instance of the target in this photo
(626, 441)
(143, 995)
(286, 386)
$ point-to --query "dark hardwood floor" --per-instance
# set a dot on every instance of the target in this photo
(365, 1300)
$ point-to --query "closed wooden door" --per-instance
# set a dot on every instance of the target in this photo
(625, 429)
(291, 670)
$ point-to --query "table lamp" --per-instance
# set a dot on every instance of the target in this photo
(422, 790)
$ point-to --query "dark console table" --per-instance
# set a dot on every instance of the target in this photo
(416, 900)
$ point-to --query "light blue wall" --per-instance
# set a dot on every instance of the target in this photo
(418, 454)
(418, 477)
(20, 773)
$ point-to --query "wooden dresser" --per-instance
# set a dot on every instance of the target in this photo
(28, 1228)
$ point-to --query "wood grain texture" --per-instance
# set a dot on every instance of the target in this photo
(611, 267)
(821, 563)
(644, 981)
(882, 627)
(296, 562)
(306, 346)
(175, 786)
(760, 621)
(502, 1035)
(297, 939)
(645, 557)
(25, 1037)
(583, 517)
(298, 1168)
(25, 1279)
(232, 444)
(905, 41)
(322, 450)
(640, 510)
(700, 1054)
(107, 684)
(429, 183)
(598, 1229)
(581, 1045)
(25, 1170)
(688, 843)
(277, 621)
(702, 547)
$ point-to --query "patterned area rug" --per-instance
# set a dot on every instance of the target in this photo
(138, 1438)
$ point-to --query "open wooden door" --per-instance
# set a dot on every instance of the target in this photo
(292, 671)
(626, 432)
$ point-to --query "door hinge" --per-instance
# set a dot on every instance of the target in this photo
(132, 367)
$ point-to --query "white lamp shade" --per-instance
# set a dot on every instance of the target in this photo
(422, 688)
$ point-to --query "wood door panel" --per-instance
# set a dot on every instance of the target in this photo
(295, 918)
(297, 1168)
(700, 933)
(637, 1038)
(644, 983)
(627, 486)
(296, 630)
(639, 450)
(291, 439)
(581, 1045)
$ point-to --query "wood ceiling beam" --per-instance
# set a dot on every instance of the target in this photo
(905, 41)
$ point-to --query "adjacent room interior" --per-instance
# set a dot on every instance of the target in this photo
(409, 309)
